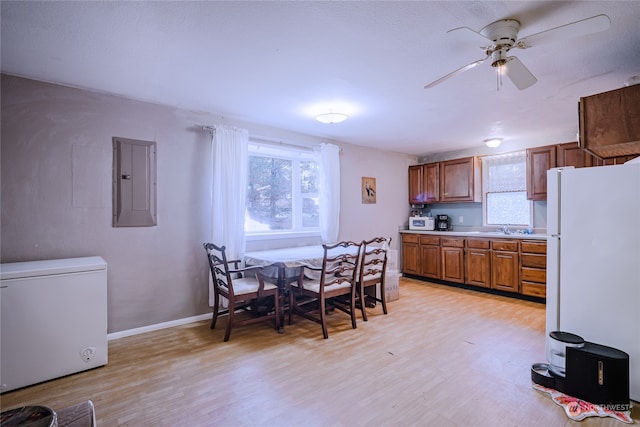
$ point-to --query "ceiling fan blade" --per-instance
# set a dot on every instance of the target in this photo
(595, 24)
(518, 73)
(453, 73)
(468, 36)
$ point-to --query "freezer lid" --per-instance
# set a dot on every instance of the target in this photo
(17, 270)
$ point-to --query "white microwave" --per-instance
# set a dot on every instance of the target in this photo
(425, 223)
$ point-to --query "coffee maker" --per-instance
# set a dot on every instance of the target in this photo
(442, 222)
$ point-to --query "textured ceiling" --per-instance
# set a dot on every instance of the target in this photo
(280, 63)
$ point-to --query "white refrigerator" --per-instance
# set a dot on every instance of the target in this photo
(593, 258)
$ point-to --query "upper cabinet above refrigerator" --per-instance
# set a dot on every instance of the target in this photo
(610, 122)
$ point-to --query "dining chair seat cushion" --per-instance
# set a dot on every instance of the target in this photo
(370, 277)
(247, 285)
(314, 286)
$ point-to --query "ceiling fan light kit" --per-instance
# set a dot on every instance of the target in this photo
(331, 118)
(502, 36)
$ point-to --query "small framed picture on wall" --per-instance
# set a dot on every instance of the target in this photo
(368, 190)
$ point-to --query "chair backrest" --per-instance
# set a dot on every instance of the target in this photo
(373, 262)
(219, 266)
(340, 263)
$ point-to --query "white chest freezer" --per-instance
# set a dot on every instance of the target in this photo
(53, 319)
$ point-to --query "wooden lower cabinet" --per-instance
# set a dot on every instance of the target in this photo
(478, 263)
(505, 265)
(411, 254)
(453, 259)
(533, 268)
(430, 257)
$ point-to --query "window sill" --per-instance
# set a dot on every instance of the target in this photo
(281, 235)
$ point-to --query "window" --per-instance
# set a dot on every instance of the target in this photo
(282, 194)
(504, 190)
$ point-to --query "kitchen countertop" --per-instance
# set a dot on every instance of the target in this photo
(484, 234)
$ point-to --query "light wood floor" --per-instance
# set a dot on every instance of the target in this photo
(442, 357)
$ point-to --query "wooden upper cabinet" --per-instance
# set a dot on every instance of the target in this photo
(460, 180)
(431, 183)
(424, 183)
(617, 160)
(570, 154)
(539, 161)
(416, 190)
(610, 122)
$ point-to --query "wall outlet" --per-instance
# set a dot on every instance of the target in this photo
(460, 219)
(87, 353)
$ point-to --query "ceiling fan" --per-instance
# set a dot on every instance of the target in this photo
(502, 36)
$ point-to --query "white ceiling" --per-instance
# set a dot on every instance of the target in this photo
(277, 63)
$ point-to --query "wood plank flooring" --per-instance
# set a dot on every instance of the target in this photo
(442, 356)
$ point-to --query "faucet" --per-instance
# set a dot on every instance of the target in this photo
(505, 229)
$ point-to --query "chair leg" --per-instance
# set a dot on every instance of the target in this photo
(383, 297)
(363, 298)
(353, 308)
(323, 320)
(276, 298)
(232, 309)
(292, 301)
(216, 304)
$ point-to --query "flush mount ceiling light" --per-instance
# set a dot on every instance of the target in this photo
(493, 142)
(331, 117)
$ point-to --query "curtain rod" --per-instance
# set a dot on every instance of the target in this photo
(211, 129)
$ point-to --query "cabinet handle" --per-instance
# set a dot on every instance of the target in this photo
(505, 256)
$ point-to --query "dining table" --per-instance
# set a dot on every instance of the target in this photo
(283, 266)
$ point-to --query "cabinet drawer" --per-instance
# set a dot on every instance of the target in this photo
(533, 275)
(478, 243)
(536, 261)
(534, 289)
(504, 245)
(455, 243)
(533, 247)
(430, 240)
(410, 238)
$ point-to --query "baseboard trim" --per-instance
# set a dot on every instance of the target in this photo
(157, 326)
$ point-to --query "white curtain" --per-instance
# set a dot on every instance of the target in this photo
(504, 172)
(230, 168)
(329, 192)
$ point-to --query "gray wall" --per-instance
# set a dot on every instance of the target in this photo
(56, 164)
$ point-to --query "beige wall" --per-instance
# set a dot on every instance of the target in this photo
(56, 194)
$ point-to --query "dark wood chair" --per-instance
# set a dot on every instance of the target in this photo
(245, 289)
(372, 270)
(318, 285)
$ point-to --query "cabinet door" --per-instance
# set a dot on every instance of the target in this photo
(410, 258)
(539, 160)
(478, 266)
(570, 154)
(430, 261)
(453, 264)
(609, 125)
(505, 271)
(458, 180)
(416, 177)
(431, 183)
(617, 160)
